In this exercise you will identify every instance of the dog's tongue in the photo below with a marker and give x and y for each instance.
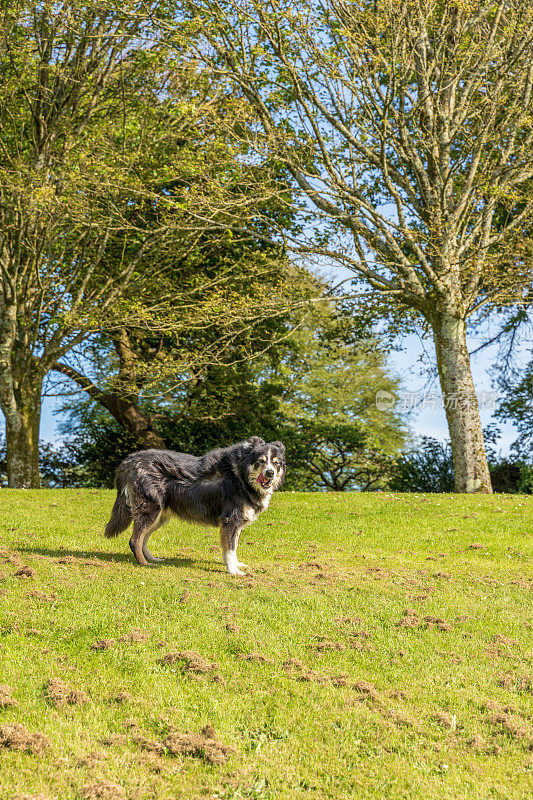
(261, 479)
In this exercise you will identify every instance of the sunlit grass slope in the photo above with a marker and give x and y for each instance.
(381, 646)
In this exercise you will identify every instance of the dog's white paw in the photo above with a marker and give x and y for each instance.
(232, 563)
(241, 565)
(235, 571)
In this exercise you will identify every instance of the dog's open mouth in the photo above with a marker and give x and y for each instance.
(265, 482)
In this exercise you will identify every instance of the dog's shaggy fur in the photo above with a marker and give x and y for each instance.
(228, 487)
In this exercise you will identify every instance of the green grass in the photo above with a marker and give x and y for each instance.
(436, 710)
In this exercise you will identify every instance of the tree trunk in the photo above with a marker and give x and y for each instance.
(124, 410)
(134, 421)
(21, 406)
(460, 402)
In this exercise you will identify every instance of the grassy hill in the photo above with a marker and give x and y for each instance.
(381, 646)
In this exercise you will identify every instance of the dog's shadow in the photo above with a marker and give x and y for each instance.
(188, 563)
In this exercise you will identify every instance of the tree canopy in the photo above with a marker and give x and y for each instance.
(406, 131)
(112, 176)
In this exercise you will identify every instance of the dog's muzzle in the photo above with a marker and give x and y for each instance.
(265, 478)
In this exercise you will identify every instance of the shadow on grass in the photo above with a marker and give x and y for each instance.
(202, 564)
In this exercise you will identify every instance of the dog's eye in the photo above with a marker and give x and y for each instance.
(276, 462)
(262, 459)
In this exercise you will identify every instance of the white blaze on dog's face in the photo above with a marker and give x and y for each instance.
(267, 468)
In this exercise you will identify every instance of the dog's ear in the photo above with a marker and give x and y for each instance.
(253, 441)
(279, 445)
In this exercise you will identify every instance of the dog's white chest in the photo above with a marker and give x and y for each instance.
(249, 514)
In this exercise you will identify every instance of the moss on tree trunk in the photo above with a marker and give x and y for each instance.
(21, 406)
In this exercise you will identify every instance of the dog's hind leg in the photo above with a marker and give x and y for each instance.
(161, 520)
(145, 521)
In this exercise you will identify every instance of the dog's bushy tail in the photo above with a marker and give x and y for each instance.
(121, 515)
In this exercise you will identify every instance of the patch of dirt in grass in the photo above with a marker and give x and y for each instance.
(84, 562)
(349, 621)
(446, 720)
(367, 689)
(477, 546)
(60, 695)
(91, 759)
(524, 583)
(114, 738)
(513, 724)
(26, 572)
(38, 796)
(321, 645)
(257, 658)
(17, 737)
(359, 640)
(455, 658)
(400, 718)
(500, 638)
(514, 683)
(338, 680)
(151, 761)
(319, 578)
(479, 744)
(103, 790)
(150, 745)
(42, 596)
(442, 575)
(398, 694)
(11, 556)
(13, 627)
(378, 573)
(501, 646)
(103, 644)
(299, 671)
(411, 619)
(204, 745)
(6, 701)
(194, 663)
(3, 577)
(249, 582)
(398, 655)
(135, 636)
(430, 621)
(312, 565)
(120, 698)
(231, 627)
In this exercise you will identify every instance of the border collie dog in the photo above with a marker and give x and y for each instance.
(226, 488)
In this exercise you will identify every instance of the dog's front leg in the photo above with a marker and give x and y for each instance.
(229, 539)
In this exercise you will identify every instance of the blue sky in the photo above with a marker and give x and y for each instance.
(409, 364)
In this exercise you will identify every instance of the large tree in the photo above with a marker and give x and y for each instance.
(308, 377)
(111, 169)
(404, 127)
(233, 303)
(337, 436)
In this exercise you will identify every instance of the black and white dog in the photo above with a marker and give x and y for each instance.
(228, 487)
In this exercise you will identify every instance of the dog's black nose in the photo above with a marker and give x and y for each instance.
(269, 473)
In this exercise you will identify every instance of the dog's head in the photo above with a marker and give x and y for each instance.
(265, 464)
